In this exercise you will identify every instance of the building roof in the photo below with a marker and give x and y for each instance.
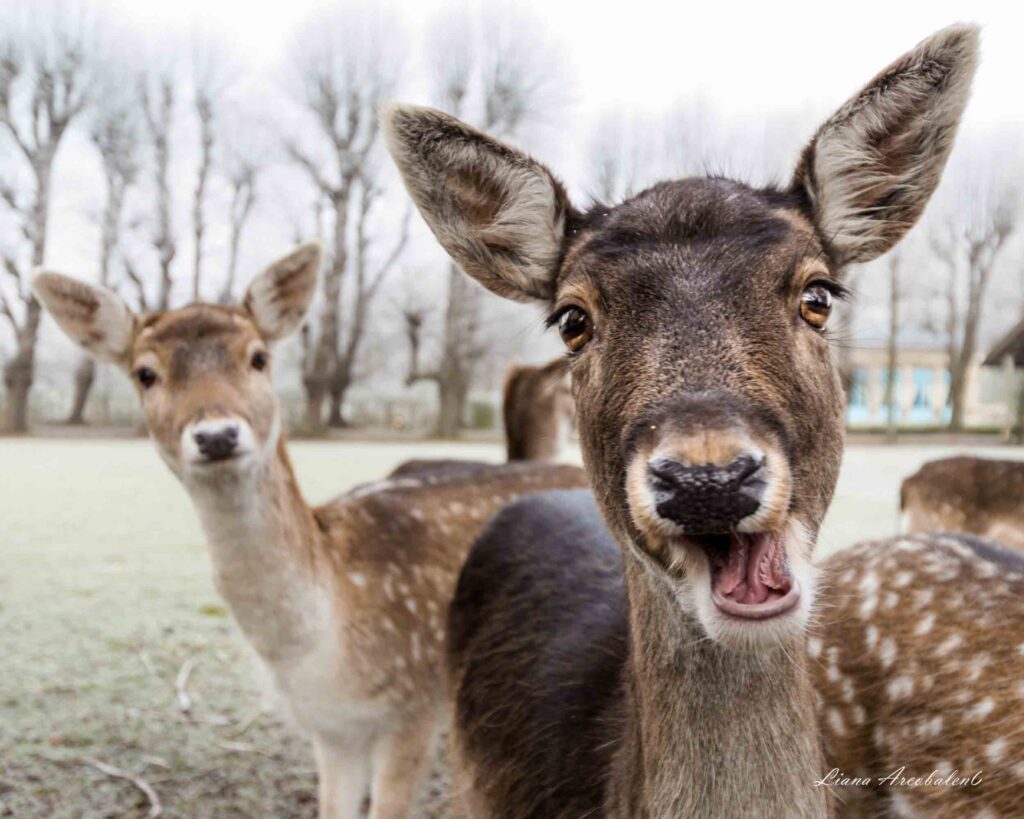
(1010, 344)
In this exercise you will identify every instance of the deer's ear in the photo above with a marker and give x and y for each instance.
(93, 317)
(277, 299)
(499, 214)
(871, 168)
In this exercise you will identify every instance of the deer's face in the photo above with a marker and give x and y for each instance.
(203, 378)
(202, 372)
(708, 405)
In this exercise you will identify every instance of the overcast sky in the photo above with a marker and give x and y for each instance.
(751, 58)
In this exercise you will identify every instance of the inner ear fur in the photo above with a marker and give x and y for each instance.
(500, 214)
(871, 168)
(95, 318)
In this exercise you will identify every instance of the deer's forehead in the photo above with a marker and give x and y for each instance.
(704, 231)
(195, 335)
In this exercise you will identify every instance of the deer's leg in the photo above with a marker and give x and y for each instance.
(343, 770)
(399, 760)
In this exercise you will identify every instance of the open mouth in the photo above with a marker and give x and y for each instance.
(750, 574)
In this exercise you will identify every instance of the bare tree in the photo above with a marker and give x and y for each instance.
(365, 285)
(242, 169)
(347, 66)
(115, 134)
(43, 89)
(515, 77)
(157, 90)
(892, 351)
(209, 82)
(984, 206)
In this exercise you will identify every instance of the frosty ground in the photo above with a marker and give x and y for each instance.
(106, 600)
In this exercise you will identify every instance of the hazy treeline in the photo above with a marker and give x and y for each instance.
(179, 171)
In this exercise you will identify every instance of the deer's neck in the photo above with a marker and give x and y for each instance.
(263, 542)
(710, 731)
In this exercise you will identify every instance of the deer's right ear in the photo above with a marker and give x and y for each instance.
(93, 317)
(277, 299)
(500, 214)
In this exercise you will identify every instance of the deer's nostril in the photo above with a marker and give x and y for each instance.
(217, 446)
(707, 498)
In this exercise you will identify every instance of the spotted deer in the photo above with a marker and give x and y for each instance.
(344, 603)
(981, 496)
(644, 651)
(537, 410)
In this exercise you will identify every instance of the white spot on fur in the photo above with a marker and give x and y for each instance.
(981, 709)
(887, 653)
(900, 688)
(950, 644)
(926, 625)
(995, 750)
(835, 721)
(357, 579)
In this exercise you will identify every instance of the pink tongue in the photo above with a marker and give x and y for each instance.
(755, 570)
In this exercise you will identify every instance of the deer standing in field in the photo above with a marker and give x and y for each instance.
(344, 603)
(663, 669)
(537, 411)
(980, 496)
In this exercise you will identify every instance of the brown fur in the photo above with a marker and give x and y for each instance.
(981, 496)
(537, 410)
(692, 289)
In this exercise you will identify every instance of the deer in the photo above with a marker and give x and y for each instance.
(344, 603)
(537, 410)
(644, 649)
(980, 496)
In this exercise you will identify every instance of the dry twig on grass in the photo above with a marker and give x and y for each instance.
(155, 808)
(181, 686)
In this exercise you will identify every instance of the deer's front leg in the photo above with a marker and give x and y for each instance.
(343, 769)
(399, 760)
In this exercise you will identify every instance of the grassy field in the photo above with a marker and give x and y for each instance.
(105, 593)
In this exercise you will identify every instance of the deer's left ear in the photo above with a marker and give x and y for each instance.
(500, 214)
(95, 318)
(871, 168)
(279, 297)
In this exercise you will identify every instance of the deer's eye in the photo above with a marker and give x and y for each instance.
(575, 328)
(816, 305)
(260, 360)
(146, 377)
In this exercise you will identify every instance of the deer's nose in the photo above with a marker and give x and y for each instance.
(217, 444)
(708, 498)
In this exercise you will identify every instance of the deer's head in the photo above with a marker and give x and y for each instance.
(695, 316)
(202, 372)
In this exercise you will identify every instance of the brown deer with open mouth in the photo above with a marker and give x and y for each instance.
(344, 603)
(666, 672)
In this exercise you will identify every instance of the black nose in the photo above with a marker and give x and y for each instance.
(707, 499)
(217, 445)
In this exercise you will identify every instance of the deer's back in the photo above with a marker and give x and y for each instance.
(982, 496)
(538, 640)
(919, 658)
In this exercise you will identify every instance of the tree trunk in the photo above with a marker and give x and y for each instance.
(85, 377)
(451, 414)
(891, 357)
(18, 382)
(314, 404)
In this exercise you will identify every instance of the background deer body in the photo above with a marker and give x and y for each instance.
(918, 656)
(710, 418)
(537, 410)
(981, 496)
(344, 603)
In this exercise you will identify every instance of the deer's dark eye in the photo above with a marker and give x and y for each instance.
(575, 328)
(816, 305)
(260, 360)
(146, 377)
